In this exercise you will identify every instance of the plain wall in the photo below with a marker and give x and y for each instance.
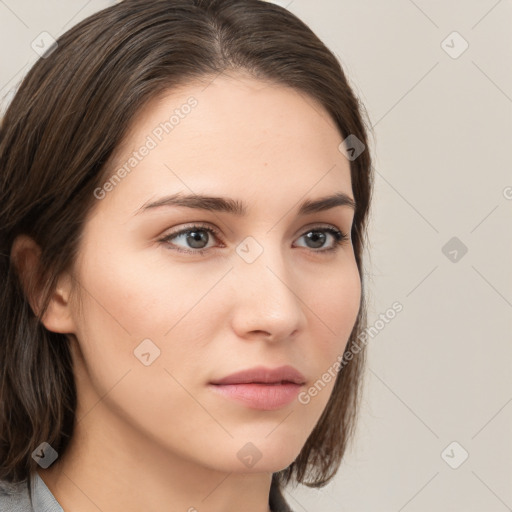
(439, 372)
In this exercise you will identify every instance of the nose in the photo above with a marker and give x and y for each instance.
(266, 298)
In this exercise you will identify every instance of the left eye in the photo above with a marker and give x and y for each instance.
(198, 236)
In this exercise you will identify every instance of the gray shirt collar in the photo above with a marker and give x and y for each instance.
(42, 498)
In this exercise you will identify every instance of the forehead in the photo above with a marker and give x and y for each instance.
(235, 135)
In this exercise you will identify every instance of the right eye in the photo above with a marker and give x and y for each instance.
(194, 234)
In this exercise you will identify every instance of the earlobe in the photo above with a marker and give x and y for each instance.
(25, 255)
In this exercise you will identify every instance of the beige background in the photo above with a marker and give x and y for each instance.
(440, 371)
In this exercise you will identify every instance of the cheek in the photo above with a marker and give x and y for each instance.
(134, 296)
(334, 312)
(336, 306)
(334, 309)
(129, 299)
(130, 310)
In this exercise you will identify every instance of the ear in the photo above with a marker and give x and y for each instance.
(25, 255)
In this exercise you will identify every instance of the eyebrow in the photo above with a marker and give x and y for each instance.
(235, 207)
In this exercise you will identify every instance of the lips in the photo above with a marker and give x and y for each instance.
(263, 375)
(261, 388)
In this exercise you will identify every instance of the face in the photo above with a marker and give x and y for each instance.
(164, 312)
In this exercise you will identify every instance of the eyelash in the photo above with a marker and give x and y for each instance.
(339, 238)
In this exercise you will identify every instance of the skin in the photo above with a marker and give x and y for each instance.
(156, 438)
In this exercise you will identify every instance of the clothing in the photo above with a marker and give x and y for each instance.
(16, 497)
(276, 500)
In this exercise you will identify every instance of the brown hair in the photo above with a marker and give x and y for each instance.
(70, 113)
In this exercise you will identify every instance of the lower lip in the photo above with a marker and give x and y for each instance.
(266, 397)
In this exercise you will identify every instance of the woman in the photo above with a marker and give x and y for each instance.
(185, 186)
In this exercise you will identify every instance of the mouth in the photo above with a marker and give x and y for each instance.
(261, 388)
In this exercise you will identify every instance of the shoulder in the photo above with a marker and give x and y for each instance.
(14, 497)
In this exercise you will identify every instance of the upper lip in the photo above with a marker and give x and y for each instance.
(263, 375)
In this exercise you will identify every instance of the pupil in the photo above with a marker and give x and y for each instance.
(196, 238)
(316, 236)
